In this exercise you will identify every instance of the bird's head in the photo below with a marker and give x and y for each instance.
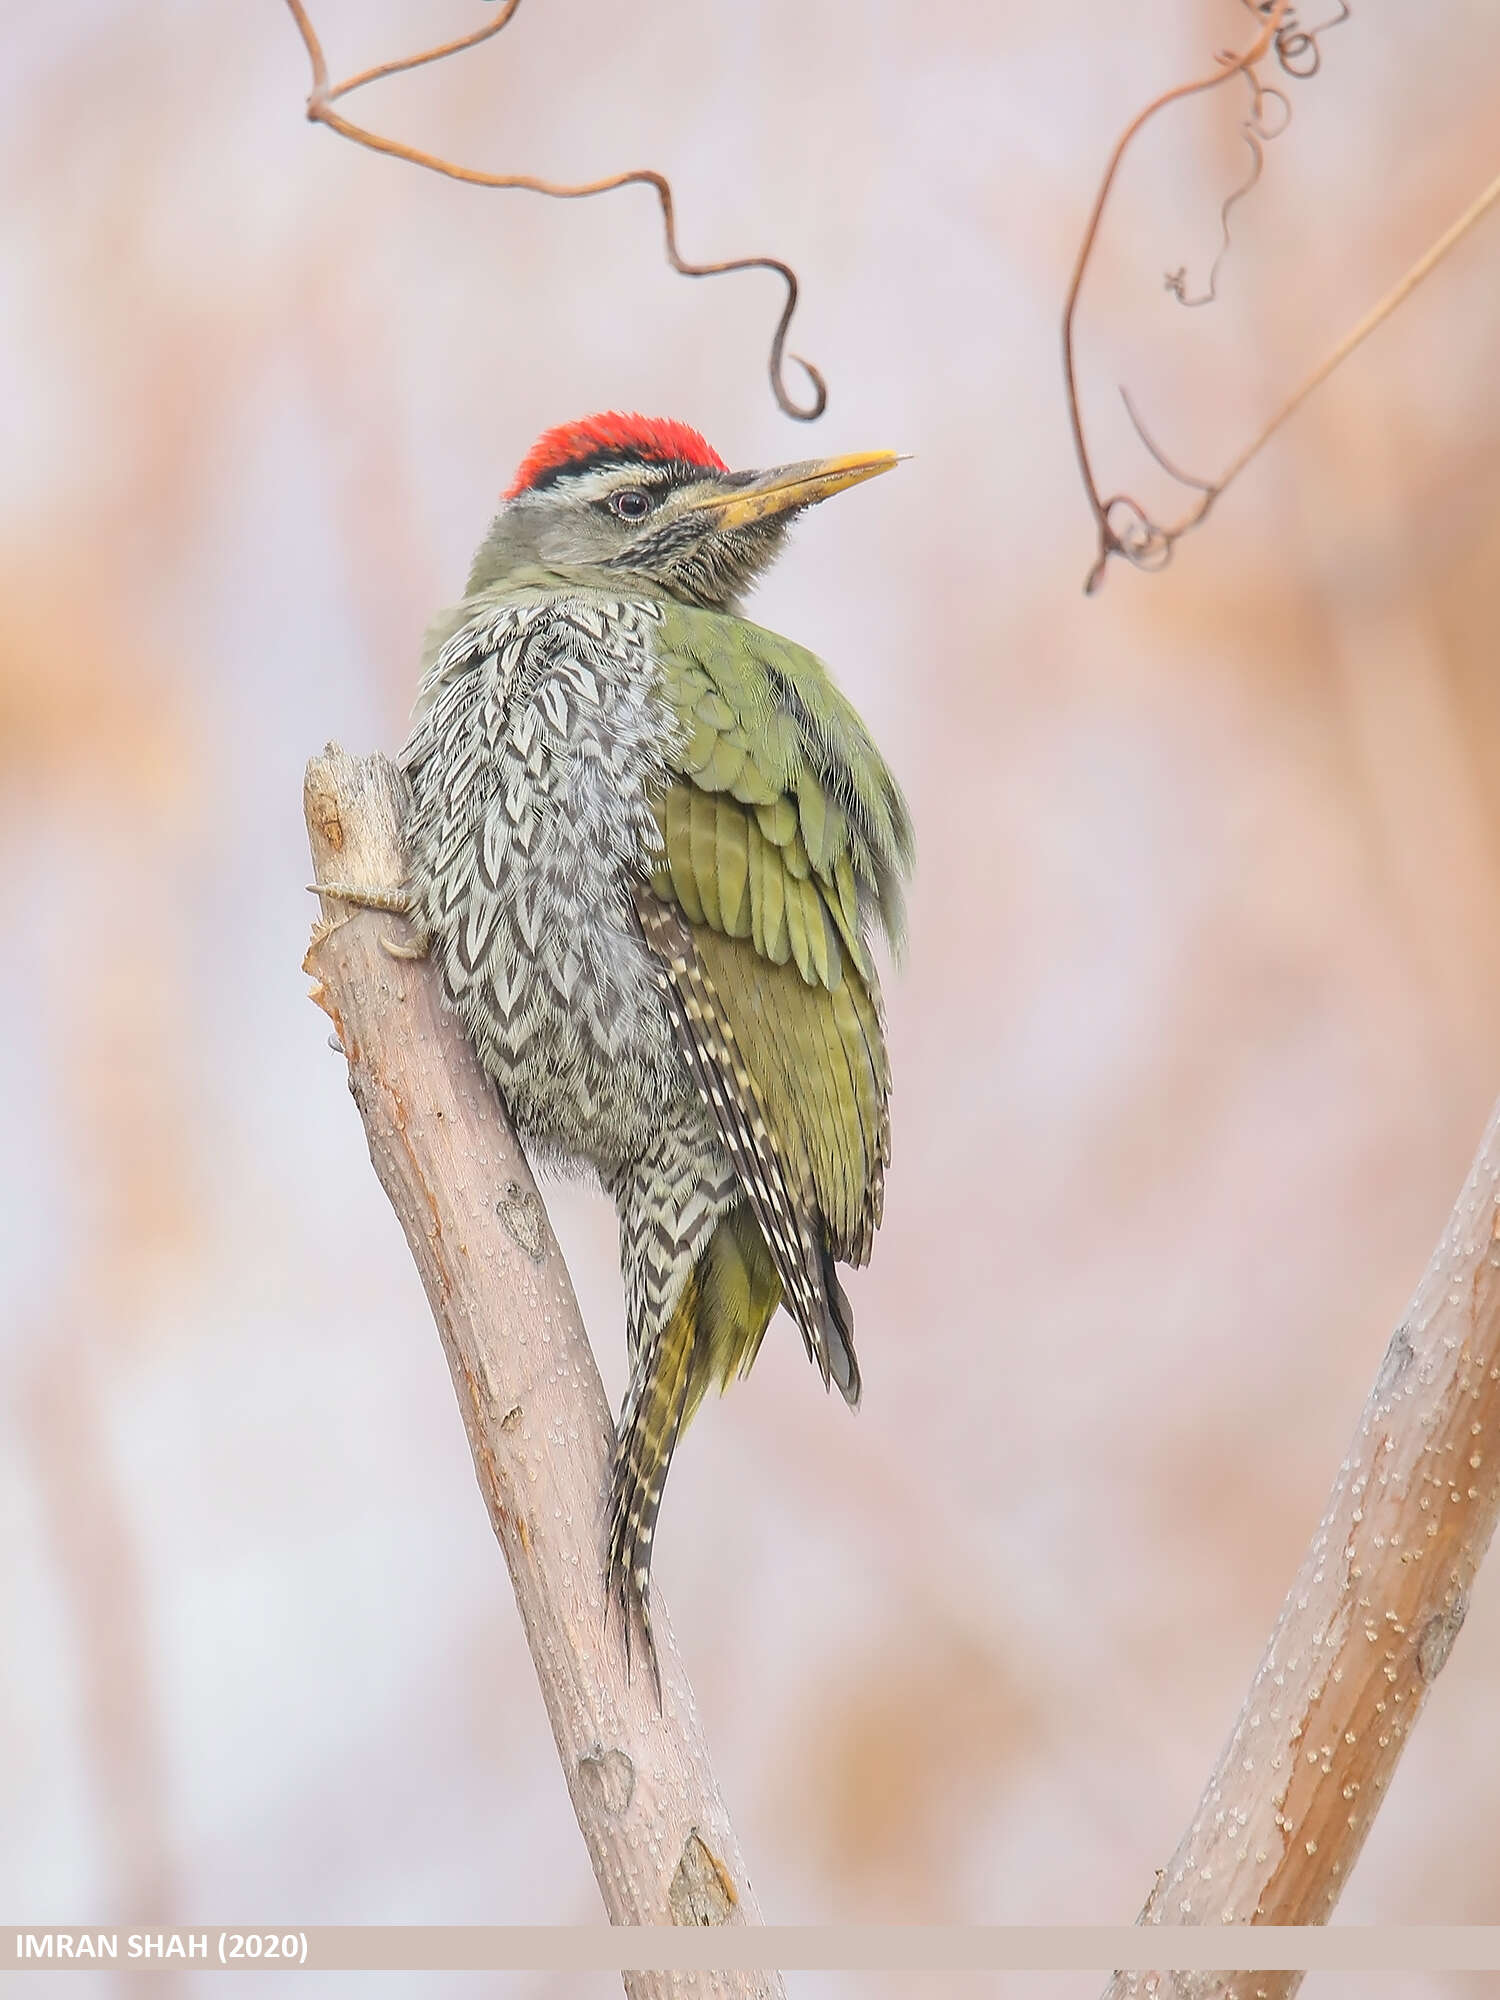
(648, 499)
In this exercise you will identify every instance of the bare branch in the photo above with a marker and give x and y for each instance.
(533, 1406)
(320, 110)
(1367, 1626)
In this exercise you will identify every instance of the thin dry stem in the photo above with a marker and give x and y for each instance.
(1124, 526)
(1112, 541)
(643, 1791)
(1377, 315)
(1145, 542)
(1367, 1626)
(320, 110)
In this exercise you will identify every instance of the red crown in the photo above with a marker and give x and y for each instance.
(611, 434)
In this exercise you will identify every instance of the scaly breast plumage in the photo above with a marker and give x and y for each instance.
(542, 829)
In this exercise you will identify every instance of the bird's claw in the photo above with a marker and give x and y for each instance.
(396, 902)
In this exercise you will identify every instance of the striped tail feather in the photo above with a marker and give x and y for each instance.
(711, 1334)
(647, 1436)
(838, 1334)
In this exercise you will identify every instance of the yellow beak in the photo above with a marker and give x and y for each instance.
(792, 486)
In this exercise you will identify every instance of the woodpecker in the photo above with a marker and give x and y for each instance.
(650, 843)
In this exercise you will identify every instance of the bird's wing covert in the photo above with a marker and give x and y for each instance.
(783, 836)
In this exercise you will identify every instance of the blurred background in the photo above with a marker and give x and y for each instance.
(1195, 1040)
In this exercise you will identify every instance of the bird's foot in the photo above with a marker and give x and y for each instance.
(397, 902)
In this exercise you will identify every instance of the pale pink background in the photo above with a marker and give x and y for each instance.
(1196, 1037)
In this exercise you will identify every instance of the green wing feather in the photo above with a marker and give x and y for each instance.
(784, 839)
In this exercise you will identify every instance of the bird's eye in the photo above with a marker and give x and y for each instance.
(631, 504)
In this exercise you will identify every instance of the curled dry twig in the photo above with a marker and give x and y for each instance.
(1124, 526)
(1257, 136)
(1148, 545)
(1297, 47)
(324, 94)
(1300, 55)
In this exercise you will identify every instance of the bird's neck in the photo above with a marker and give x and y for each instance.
(492, 583)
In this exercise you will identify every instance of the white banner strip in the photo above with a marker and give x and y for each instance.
(808, 1948)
